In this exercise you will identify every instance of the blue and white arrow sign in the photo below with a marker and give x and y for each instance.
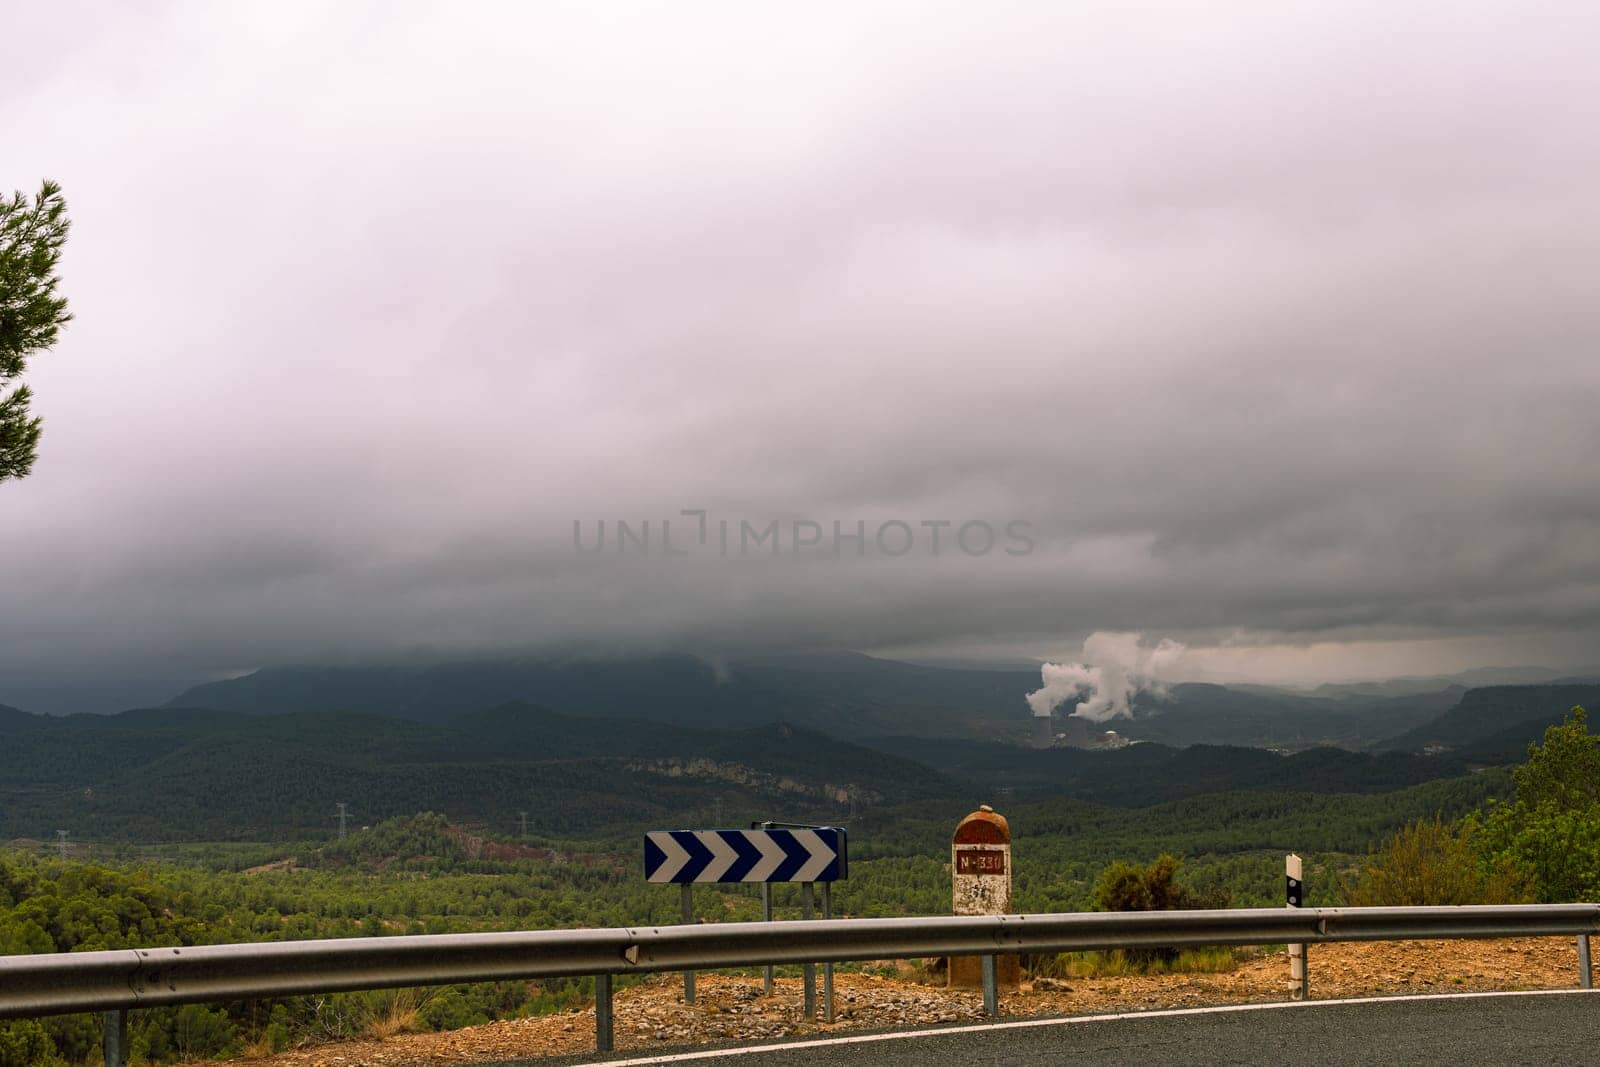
(813, 855)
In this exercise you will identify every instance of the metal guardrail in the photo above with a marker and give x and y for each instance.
(115, 982)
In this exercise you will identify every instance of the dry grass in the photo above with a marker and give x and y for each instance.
(1217, 959)
(260, 1048)
(393, 1012)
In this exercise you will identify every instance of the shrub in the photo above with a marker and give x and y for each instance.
(1432, 862)
(25, 1044)
(203, 1033)
(1128, 887)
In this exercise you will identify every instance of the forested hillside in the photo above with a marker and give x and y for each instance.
(174, 774)
(844, 694)
(423, 874)
(1197, 714)
(1497, 723)
(841, 693)
(1150, 773)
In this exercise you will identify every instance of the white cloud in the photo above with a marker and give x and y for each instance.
(1115, 668)
(1274, 321)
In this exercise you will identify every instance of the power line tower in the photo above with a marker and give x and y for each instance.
(61, 843)
(524, 822)
(344, 813)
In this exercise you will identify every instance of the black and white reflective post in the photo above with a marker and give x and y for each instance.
(766, 853)
(1294, 895)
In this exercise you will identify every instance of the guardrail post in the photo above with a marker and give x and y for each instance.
(810, 969)
(116, 1038)
(991, 987)
(1585, 972)
(602, 1013)
(688, 918)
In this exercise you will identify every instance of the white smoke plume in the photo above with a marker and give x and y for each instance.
(1115, 666)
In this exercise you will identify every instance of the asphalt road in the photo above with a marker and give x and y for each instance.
(1558, 1028)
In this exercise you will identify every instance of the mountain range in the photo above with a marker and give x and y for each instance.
(605, 746)
(844, 694)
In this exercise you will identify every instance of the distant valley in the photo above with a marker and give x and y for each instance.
(850, 695)
(607, 747)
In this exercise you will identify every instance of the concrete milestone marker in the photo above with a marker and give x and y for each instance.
(980, 875)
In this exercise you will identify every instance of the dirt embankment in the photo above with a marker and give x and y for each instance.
(653, 1015)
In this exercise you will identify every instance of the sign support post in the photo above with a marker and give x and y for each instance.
(827, 968)
(766, 917)
(809, 969)
(688, 917)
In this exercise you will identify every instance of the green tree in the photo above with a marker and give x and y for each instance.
(1430, 861)
(25, 1044)
(1563, 771)
(1551, 830)
(31, 314)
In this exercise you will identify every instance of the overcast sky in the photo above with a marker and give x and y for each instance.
(1275, 323)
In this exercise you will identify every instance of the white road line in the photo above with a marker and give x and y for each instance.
(1019, 1024)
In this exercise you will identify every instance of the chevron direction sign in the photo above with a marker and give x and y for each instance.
(684, 856)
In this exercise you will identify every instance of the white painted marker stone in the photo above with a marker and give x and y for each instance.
(980, 877)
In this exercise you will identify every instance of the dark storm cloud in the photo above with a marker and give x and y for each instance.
(1276, 324)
